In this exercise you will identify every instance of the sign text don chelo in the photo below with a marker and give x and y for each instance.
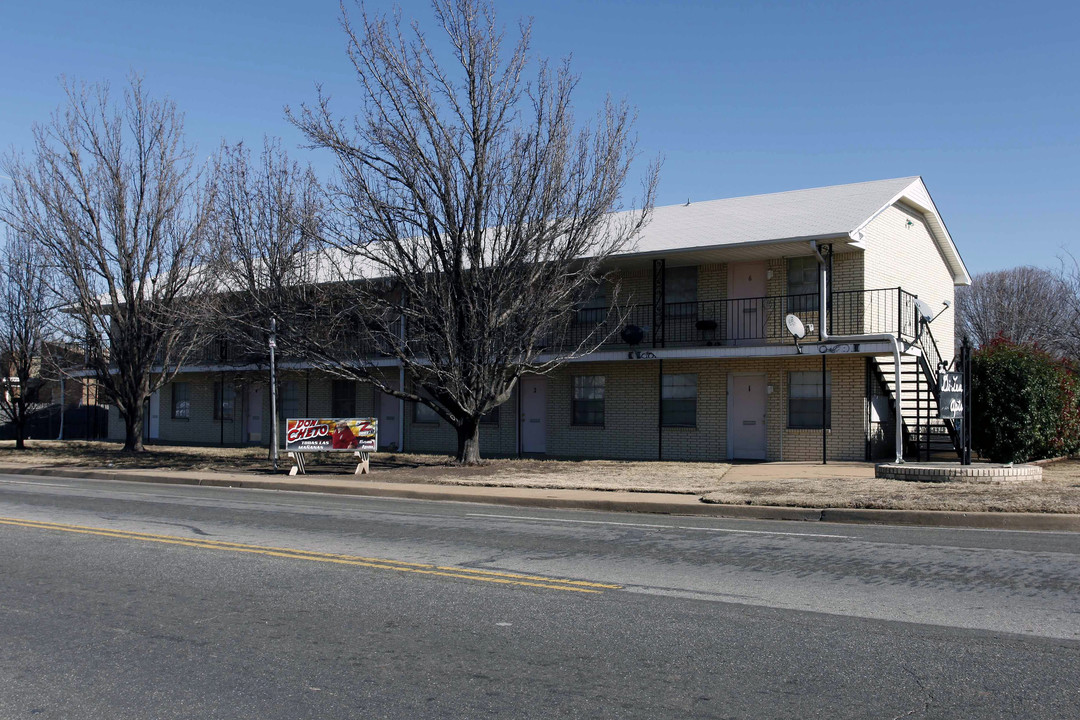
(331, 435)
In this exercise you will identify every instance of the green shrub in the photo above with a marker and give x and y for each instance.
(1025, 404)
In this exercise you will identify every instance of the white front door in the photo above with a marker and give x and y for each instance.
(155, 415)
(254, 413)
(533, 414)
(389, 421)
(746, 305)
(746, 416)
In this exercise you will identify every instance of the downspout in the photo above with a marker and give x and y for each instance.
(883, 337)
(823, 335)
(63, 402)
(401, 387)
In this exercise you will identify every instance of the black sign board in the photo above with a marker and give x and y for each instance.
(951, 399)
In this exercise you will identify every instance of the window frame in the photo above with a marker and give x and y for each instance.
(594, 308)
(664, 410)
(582, 383)
(175, 410)
(284, 398)
(491, 418)
(816, 398)
(797, 296)
(336, 398)
(419, 407)
(686, 278)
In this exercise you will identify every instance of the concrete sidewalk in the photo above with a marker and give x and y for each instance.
(614, 501)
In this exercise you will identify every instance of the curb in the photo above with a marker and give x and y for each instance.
(862, 516)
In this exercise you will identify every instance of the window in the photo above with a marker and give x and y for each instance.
(343, 399)
(223, 406)
(802, 284)
(680, 291)
(491, 417)
(594, 309)
(588, 400)
(181, 405)
(804, 400)
(678, 400)
(424, 414)
(290, 399)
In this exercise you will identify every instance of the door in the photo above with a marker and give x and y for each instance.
(254, 413)
(746, 304)
(389, 421)
(533, 414)
(746, 416)
(153, 429)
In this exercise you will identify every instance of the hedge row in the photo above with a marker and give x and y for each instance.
(1026, 403)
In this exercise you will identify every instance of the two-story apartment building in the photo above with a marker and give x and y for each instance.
(704, 366)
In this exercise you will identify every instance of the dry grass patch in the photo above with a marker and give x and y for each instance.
(673, 477)
(1058, 492)
(670, 477)
(84, 454)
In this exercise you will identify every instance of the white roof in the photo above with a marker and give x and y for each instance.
(817, 213)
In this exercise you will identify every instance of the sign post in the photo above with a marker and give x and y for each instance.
(954, 400)
(356, 435)
(273, 395)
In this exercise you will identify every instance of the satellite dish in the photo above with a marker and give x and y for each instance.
(925, 311)
(795, 326)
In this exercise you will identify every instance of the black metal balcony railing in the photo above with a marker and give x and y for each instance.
(750, 321)
(732, 322)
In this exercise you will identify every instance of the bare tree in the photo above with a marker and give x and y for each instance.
(1024, 304)
(25, 309)
(265, 241)
(478, 204)
(268, 212)
(1068, 275)
(112, 196)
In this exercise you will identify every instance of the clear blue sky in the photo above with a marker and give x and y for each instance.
(982, 99)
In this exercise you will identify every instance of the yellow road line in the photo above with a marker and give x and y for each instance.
(335, 558)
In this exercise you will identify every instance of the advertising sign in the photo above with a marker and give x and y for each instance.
(330, 435)
(951, 389)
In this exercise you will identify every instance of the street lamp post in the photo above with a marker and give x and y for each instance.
(273, 395)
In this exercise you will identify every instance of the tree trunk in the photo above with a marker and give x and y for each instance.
(20, 432)
(468, 442)
(133, 441)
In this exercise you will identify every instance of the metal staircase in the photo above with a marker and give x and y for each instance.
(927, 436)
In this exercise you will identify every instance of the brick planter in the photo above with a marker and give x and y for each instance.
(988, 473)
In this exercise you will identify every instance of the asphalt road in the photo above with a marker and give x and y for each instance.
(123, 600)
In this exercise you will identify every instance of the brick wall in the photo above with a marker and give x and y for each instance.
(496, 440)
(631, 411)
(846, 437)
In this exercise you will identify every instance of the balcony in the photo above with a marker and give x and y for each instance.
(748, 321)
(707, 323)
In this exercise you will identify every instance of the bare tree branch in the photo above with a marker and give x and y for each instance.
(1024, 304)
(26, 305)
(480, 206)
(113, 198)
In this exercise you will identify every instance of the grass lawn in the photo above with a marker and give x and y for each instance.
(676, 477)
(1059, 492)
(847, 485)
